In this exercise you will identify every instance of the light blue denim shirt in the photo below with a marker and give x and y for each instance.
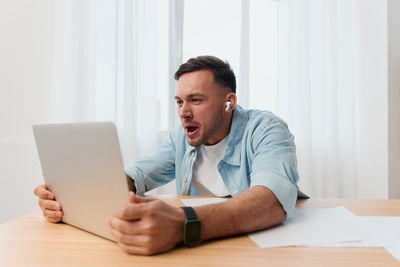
(260, 151)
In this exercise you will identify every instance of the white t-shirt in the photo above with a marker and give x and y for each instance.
(206, 179)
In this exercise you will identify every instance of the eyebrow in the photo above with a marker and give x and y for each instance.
(193, 95)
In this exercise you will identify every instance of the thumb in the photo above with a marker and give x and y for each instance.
(136, 199)
(145, 199)
(133, 198)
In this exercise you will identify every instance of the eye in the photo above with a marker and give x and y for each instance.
(179, 102)
(196, 100)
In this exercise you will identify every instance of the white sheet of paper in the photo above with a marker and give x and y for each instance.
(395, 251)
(311, 227)
(332, 227)
(194, 202)
(380, 231)
(306, 227)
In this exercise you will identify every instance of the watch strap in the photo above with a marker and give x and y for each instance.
(189, 212)
(191, 228)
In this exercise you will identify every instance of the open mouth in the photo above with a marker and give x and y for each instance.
(191, 130)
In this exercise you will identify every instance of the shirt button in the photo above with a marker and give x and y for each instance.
(184, 180)
(193, 154)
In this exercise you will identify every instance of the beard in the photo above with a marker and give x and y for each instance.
(210, 131)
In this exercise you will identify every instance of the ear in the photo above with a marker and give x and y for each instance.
(231, 97)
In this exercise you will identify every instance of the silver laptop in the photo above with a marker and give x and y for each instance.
(82, 166)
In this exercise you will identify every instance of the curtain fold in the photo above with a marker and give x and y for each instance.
(317, 87)
(104, 68)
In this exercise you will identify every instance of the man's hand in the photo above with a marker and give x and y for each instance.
(147, 226)
(51, 209)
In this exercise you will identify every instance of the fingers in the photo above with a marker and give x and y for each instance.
(52, 216)
(134, 244)
(133, 198)
(125, 227)
(146, 199)
(49, 204)
(131, 211)
(136, 199)
(131, 249)
(134, 211)
(147, 228)
(42, 192)
(134, 240)
(51, 209)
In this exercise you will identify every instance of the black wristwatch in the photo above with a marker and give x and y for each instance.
(191, 228)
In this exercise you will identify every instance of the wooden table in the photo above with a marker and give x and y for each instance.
(32, 241)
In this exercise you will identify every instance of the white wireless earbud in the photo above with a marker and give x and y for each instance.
(228, 105)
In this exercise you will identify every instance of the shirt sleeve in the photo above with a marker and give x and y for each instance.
(154, 170)
(275, 165)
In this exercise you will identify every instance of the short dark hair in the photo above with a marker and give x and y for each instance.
(223, 74)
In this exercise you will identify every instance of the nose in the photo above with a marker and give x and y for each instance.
(185, 111)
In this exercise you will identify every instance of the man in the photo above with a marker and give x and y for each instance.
(220, 150)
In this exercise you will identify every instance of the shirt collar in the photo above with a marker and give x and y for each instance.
(233, 146)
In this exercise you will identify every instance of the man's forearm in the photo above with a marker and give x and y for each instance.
(254, 209)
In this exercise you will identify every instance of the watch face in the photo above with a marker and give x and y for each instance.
(192, 230)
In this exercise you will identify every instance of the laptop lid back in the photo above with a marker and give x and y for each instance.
(82, 166)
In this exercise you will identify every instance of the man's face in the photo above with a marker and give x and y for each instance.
(201, 107)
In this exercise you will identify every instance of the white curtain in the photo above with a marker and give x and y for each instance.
(105, 68)
(318, 91)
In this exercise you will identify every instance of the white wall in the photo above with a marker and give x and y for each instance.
(394, 97)
(25, 98)
(372, 155)
(25, 71)
(379, 64)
